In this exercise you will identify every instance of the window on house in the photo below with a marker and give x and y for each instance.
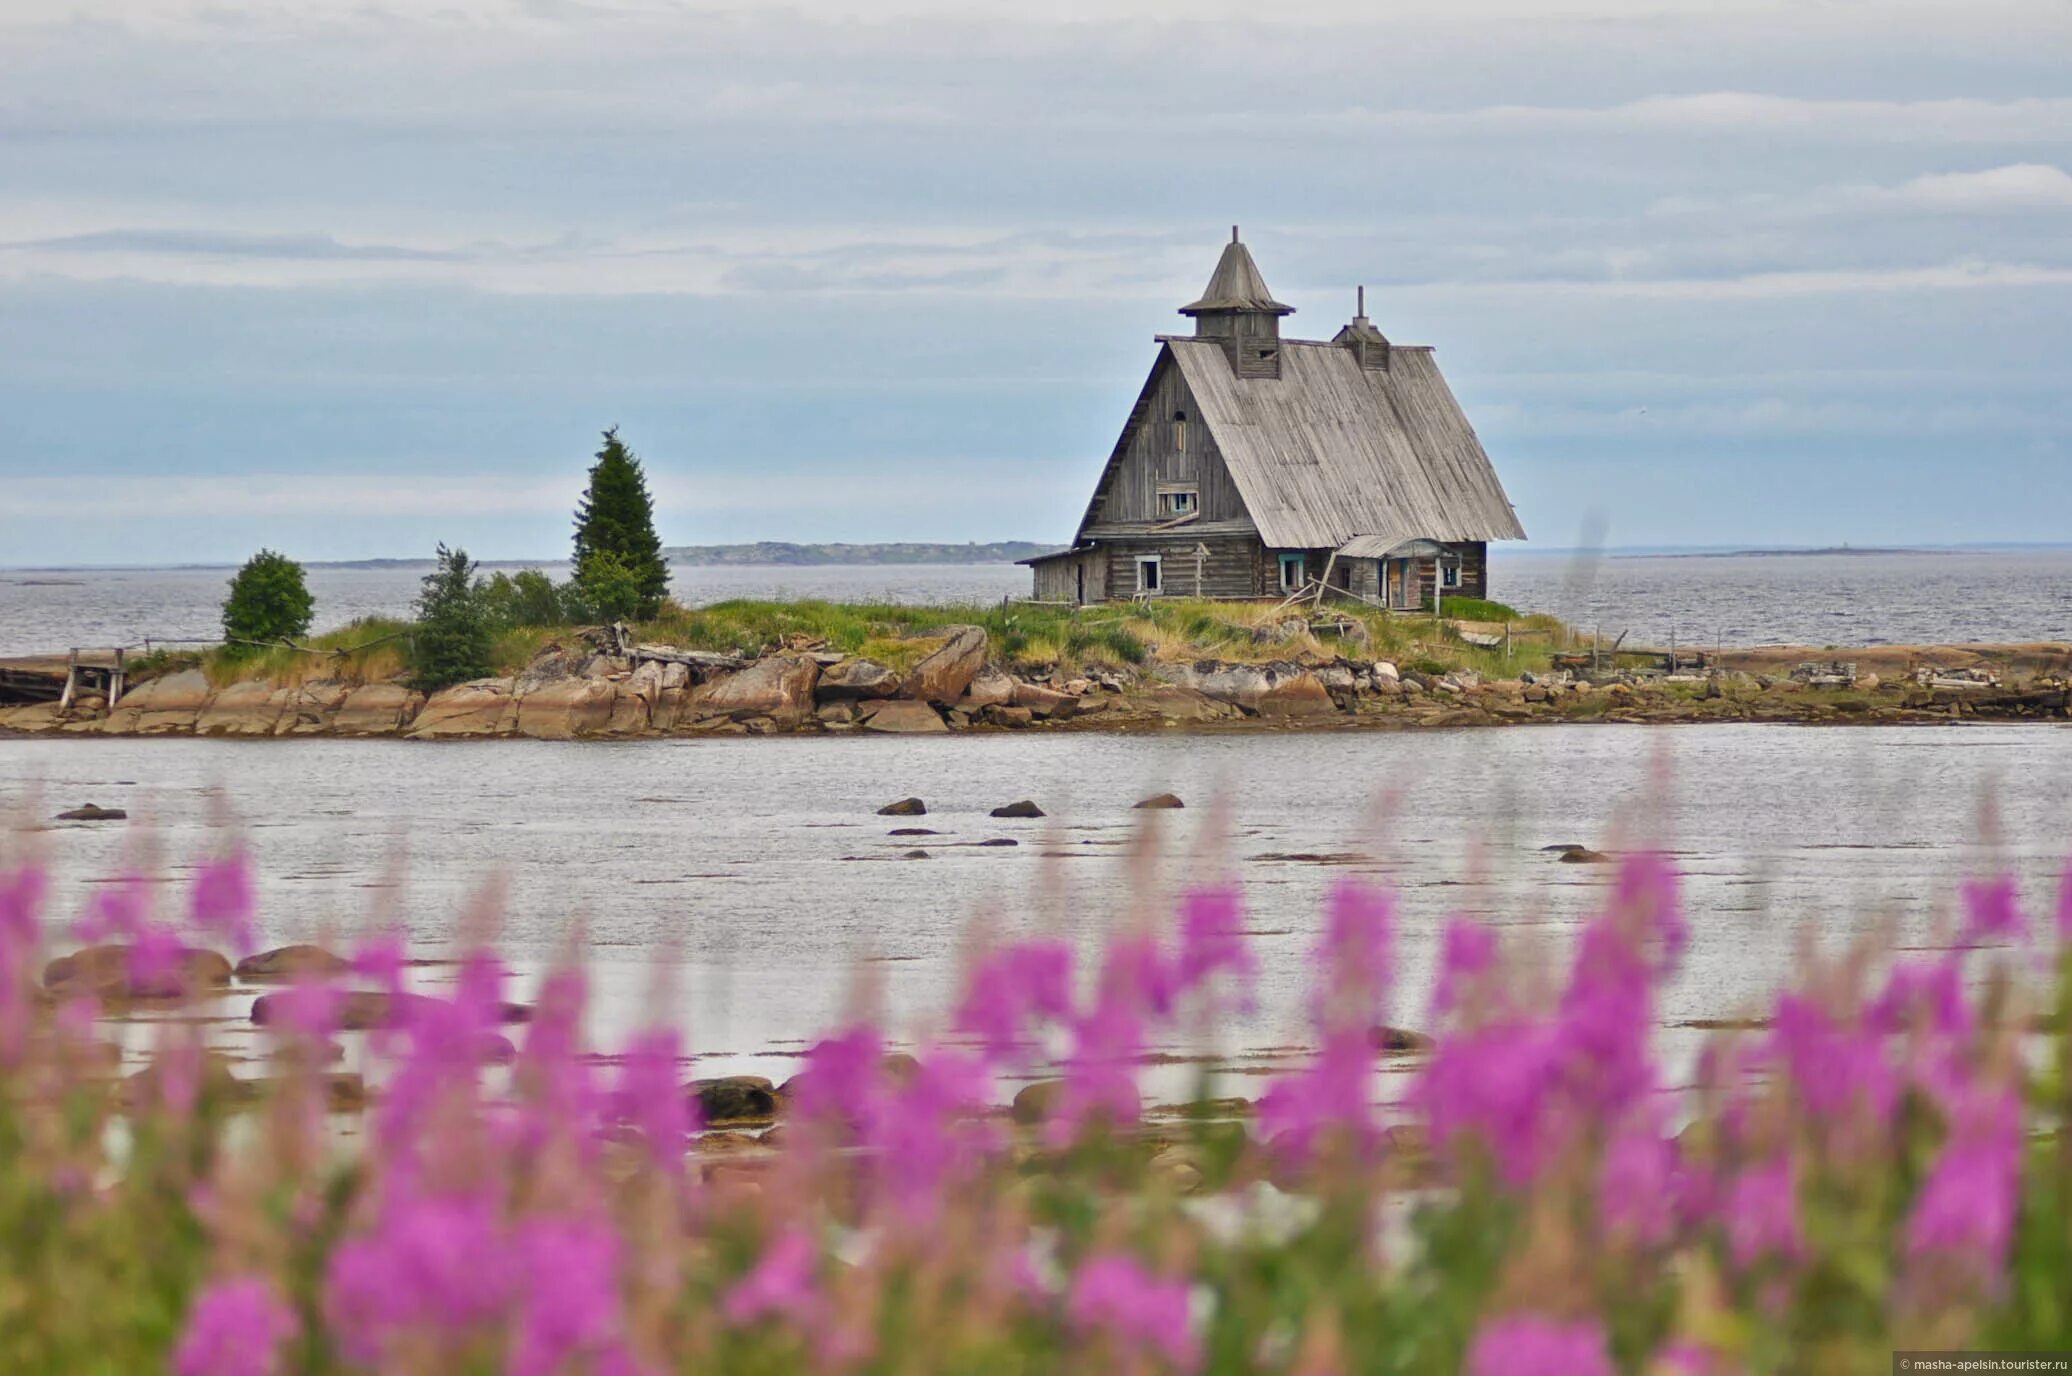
(1180, 431)
(1449, 573)
(1178, 501)
(1292, 572)
(1148, 573)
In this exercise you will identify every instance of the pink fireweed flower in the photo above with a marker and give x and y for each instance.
(1924, 996)
(438, 1265)
(1529, 1345)
(236, 1328)
(116, 912)
(154, 961)
(221, 900)
(1011, 991)
(1329, 1094)
(1354, 955)
(1212, 938)
(784, 1282)
(1490, 1084)
(1992, 911)
(21, 906)
(1838, 1071)
(557, 1084)
(1604, 1020)
(649, 1096)
(1112, 1293)
(2065, 906)
(1100, 1072)
(841, 1081)
(1647, 898)
(1467, 951)
(22, 891)
(1762, 1214)
(926, 1134)
(1966, 1207)
(1637, 1185)
(569, 1308)
(1137, 973)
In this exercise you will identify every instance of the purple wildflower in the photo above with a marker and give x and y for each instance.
(782, 1282)
(1114, 1294)
(926, 1133)
(1330, 1093)
(1212, 938)
(116, 912)
(236, 1328)
(222, 899)
(435, 1264)
(1011, 990)
(840, 1083)
(22, 892)
(1992, 910)
(1354, 956)
(570, 1308)
(1136, 973)
(1839, 1071)
(1924, 995)
(1762, 1213)
(1529, 1345)
(1604, 1020)
(1100, 1075)
(1967, 1205)
(1490, 1084)
(21, 903)
(2065, 906)
(1646, 896)
(649, 1097)
(1467, 950)
(1637, 1185)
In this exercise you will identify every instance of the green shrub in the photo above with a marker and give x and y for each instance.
(269, 600)
(526, 598)
(452, 641)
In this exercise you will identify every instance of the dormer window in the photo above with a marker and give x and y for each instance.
(1178, 501)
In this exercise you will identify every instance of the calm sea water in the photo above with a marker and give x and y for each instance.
(761, 864)
(1864, 599)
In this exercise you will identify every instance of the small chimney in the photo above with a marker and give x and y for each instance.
(1368, 344)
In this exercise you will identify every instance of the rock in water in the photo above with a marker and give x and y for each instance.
(93, 812)
(1024, 808)
(1399, 1039)
(1035, 1102)
(289, 962)
(946, 672)
(105, 971)
(905, 807)
(1580, 856)
(1161, 800)
(734, 1099)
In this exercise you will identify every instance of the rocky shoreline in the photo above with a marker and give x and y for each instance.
(595, 689)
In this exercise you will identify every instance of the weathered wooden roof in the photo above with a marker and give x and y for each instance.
(1236, 285)
(1329, 450)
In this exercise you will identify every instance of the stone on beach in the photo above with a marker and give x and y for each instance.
(563, 709)
(289, 962)
(855, 680)
(1159, 801)
(943, 675)
(780, 687)
(172, 702)
(734, 1099)
(1024, 808)
(905, 807)
(105, 972)
(990, 688)
(1044, 702)
(486, 707)
(901, 716)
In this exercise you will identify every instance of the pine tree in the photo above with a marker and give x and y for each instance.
(617, 518)
(451, 641)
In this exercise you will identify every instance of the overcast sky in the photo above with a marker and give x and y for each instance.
(351, 277)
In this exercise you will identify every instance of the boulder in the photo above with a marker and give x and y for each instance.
(1035, 1102)
(905, 807)
(360, 1010)
(253, 708)
(1399, 1040)
(632, 708)
(37, 716)
(779, 687)
(1044, 702)
(376, 709)
(312, 706)
(92, 812)
(943, 675)
(853, 680)
(486, 707)
(1579, 855)
(1299, 696)
(1015, 717)
(158, 706)
(990, 688)
(291, 962)
(1161, 800)
(1172, 703)
(1250, 685)
(1024, 808)
(104, 972)
(901, 717)
(736, 1100)
(836, 713)
(563, 708)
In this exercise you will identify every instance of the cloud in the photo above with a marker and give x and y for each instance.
(2020, 186)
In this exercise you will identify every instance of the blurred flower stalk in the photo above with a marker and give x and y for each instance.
(1882, 1163)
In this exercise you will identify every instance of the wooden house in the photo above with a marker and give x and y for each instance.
(1253, 466)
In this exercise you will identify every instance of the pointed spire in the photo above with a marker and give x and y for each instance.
(1236, 285)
